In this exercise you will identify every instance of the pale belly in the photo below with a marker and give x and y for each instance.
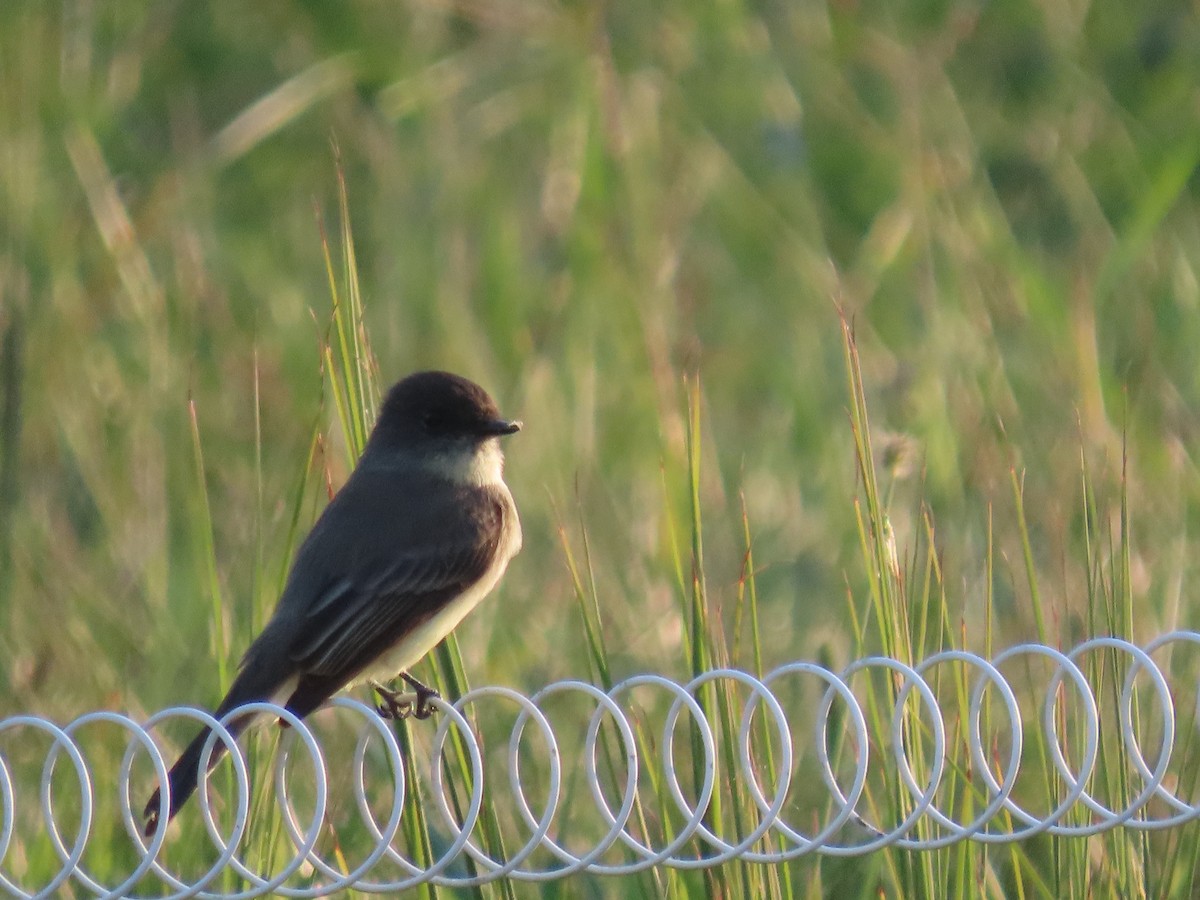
(421, 640)
(414, 645)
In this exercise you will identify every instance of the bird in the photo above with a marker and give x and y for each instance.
(420, 533)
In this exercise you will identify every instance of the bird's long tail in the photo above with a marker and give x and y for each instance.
(255, 682)
(185, 774)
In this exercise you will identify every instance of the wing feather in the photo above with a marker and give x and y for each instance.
(374, 593)
(382, 616)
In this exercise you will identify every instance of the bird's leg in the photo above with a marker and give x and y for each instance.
(390, 705)
(421, 710)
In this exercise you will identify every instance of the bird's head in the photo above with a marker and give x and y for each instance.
(442, 422)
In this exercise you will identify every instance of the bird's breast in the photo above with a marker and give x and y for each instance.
(406, 652)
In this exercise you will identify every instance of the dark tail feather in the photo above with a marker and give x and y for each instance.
(258, 680)
(185, 774)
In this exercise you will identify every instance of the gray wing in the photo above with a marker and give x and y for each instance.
(357, 618)
(387, 554)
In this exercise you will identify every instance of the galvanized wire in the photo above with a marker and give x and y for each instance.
(926, 739)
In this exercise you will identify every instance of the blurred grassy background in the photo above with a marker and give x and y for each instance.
(577, 205)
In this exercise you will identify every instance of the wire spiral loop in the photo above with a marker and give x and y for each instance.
(582, 769)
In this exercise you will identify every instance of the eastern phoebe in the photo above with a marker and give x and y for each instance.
(420, 533)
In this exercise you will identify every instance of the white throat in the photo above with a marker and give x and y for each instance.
(483, 468)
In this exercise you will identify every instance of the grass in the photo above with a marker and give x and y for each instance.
(637, 228)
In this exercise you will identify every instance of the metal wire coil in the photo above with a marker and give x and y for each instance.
(913, 750)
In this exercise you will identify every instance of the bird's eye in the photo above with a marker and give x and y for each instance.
(435, 421)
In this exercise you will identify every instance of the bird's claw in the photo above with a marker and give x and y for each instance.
(395, 705)
(390, 706)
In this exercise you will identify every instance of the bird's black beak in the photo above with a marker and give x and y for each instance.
(499, 427)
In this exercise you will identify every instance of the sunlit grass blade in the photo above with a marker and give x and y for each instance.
(889, 601)
(206, 551)
(583, 582)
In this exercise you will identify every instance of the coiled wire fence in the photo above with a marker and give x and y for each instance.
(575, 779)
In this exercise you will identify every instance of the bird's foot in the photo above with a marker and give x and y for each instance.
(392, 704)
(397, 705)
(422, 709)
